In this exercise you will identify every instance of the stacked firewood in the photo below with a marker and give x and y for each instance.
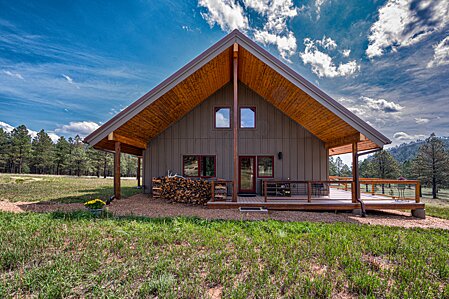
(178, 189)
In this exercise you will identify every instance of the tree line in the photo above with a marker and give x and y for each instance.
(20, 153)
(430, 166)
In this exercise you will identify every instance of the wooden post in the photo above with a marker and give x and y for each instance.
(138, 172)
(235, 122)
(373, 189)
(355, 174)
(309, 191)
(117, 193)
(265, 189)
(212, 191)
(417, 191)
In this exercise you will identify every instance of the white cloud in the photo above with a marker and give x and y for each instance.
(441, 53)
(318, 4)
(402, 136)
(322, 63)
(275, 30)
(70, 80)
(382, 105)
(346, 53)
(82, 128)
(421, 121)
(402, 23)
(6, 127)
(13, 74)
(228, 14)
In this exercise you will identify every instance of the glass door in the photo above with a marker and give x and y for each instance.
(247, 174)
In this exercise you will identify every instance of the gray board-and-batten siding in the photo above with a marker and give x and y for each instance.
(304, 156)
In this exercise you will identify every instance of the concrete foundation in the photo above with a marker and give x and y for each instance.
(419, 213)
(357, 212)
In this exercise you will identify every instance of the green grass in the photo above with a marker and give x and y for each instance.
(65, 189)
(61, 255)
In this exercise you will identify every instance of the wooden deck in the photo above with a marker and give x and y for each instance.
(337, 200)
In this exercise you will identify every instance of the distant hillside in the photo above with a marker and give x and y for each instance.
(407, 151)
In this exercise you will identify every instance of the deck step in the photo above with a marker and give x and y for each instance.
(253, 209)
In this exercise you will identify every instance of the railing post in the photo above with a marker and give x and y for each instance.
(309, 191)
(354, 192)
(265, 189)
(212, 191)
(417, 193)
(346, 186)
(373, 187)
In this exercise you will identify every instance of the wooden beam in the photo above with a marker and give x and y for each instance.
(355, 174)
(344, 140)
(117, 153)
(235, 121)
(127, 140)
(138, 172)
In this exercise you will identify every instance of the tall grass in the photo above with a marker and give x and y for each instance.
(60, 255)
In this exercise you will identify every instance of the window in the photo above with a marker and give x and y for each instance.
(199, 166)
(265, 166)
(248, 117)
(222, 118)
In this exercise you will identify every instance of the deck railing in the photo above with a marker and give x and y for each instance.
(370, 189)
(287, 189)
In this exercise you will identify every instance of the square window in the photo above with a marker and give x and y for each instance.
(265, 167)
(222, 118)
(190, 166)
(247, 117)
(198, 166)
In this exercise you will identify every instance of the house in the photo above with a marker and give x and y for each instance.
(237, 113)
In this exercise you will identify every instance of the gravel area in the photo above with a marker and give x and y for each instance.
(143, 205)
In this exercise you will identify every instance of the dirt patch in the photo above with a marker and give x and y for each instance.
(143, 205)
(215, 293)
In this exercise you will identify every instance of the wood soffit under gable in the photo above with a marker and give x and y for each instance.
(258, 76)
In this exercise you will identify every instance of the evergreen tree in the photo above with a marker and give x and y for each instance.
(62, 150)
(20, 148)
(43, 153)
(431, 164)
(332, 167)
(345, 171)
(338, 166)
(384, 166)
(79, 156)
(4, 150)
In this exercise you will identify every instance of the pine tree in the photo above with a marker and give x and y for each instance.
(338, 166)
(384, 166)
(332, 167)
(42, 153)
(5, 145)
(62, 150)
(431, 164)
(79, 157)
(20, 148)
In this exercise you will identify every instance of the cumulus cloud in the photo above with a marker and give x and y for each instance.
(402, 136)
(13, 74)
(346, 53)
(318, 4)
(441, 53)
(421, 121)
(322, 63)
(402, 23)
(228, 14)
(81, 128)
(382, 105)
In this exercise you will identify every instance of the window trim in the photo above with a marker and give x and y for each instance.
(216, 108)
(198, 157)
(272, 165)
(240, 117)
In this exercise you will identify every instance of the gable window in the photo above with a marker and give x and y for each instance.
(265, 166)
(222, 118)
(198, 166)
(247, 117)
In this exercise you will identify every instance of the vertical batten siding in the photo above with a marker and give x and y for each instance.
(304, 155)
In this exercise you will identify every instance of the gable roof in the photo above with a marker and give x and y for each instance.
(259, 70)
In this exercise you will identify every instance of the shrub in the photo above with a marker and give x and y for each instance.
(95, 204)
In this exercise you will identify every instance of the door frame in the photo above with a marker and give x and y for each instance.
(253, 190)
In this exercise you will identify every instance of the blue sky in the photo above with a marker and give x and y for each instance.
(69, 66)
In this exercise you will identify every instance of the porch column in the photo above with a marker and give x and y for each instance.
(138, 172)
(235, 121)
(355, 174)
(117, 170)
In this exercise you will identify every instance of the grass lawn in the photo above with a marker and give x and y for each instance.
(59, 255)
(65, 189)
